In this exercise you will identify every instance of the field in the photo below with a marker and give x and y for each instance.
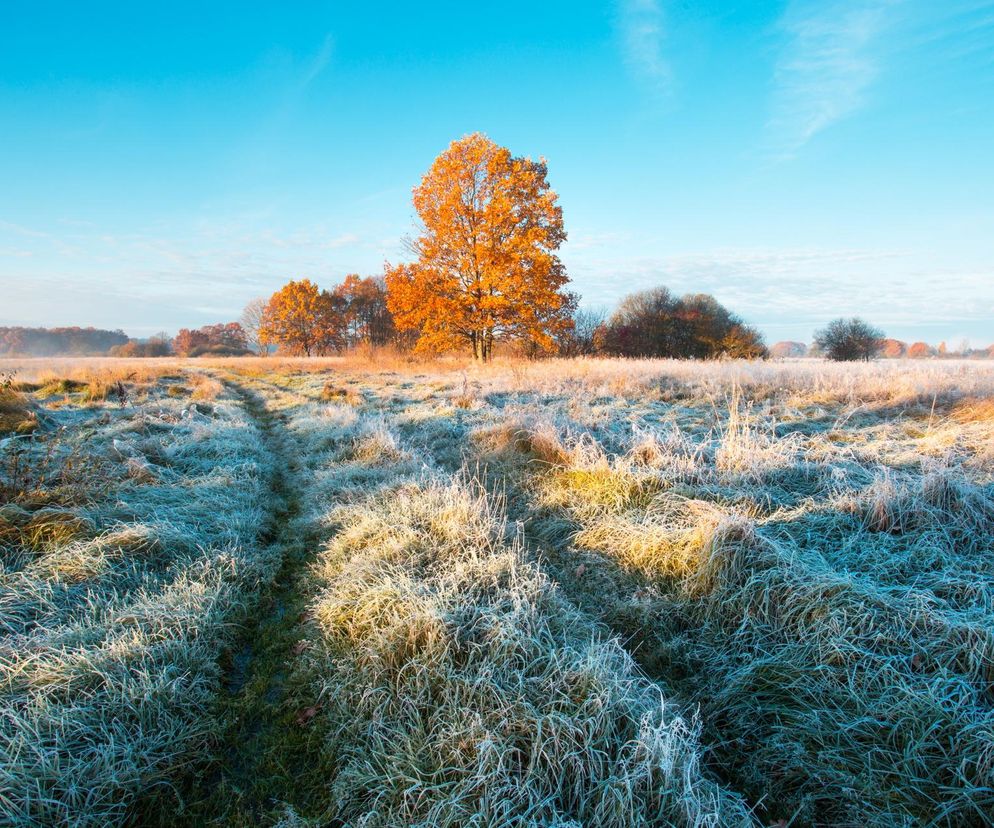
(564, 593)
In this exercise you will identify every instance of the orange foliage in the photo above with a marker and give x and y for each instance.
(486, 265)
(300, 319)
(893, 348)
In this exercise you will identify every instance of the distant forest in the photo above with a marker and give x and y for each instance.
(74, 341)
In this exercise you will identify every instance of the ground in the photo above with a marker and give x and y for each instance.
(591, 592)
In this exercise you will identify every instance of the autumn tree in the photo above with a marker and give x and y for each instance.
(301, 319)
(920, 350)
(365, 316)
(893, 348)
(222, 339)
(655, 323)
(485, 265)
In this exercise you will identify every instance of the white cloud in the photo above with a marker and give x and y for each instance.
(319, 62)
(830, 60)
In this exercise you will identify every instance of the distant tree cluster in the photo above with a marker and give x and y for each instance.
(854, 339)
(222, 339)
(363, 313)
(159, 345)
(788, 349)
(655, 323)
(580, 338)
(302, 319)
(73, 341)
(888, 349)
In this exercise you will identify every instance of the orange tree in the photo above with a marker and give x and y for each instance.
(300, 319)
(364, 310)
(486, 266)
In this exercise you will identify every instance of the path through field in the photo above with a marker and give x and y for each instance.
(270, 757)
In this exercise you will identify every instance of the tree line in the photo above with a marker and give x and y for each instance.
(53, 341)
(483, 274)
(847, 343)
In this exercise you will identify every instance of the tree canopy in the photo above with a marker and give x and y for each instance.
(222, 339)
(301, 319)
(655, 323)
(847, 340)
(22, 341)
(364, 314)
(486, 266)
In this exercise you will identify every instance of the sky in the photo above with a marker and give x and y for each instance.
(163, 163)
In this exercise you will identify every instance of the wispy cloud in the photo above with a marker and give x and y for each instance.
(319, 62)
(828, 64)
(643, 31)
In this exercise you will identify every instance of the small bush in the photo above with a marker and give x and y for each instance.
(849, 340)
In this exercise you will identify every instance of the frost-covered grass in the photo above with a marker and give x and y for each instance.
(581, 592)
(816, 576)
(452, 682)
(127, 543)
(802, 552)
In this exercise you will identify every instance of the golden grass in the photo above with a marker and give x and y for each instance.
(16, 413)
(974, 410)
(205, 388)
(53, 528)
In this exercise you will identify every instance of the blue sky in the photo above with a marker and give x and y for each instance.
(161, 164)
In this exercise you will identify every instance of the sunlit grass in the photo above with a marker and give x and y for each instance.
(559, 593)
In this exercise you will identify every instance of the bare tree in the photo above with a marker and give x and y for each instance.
(580, 339)
(252, 322)
(847, 340)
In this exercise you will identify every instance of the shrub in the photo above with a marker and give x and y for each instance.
(16, 415)
(654, 323)
(848, 340)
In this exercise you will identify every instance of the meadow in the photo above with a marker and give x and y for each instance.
(592, 592)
